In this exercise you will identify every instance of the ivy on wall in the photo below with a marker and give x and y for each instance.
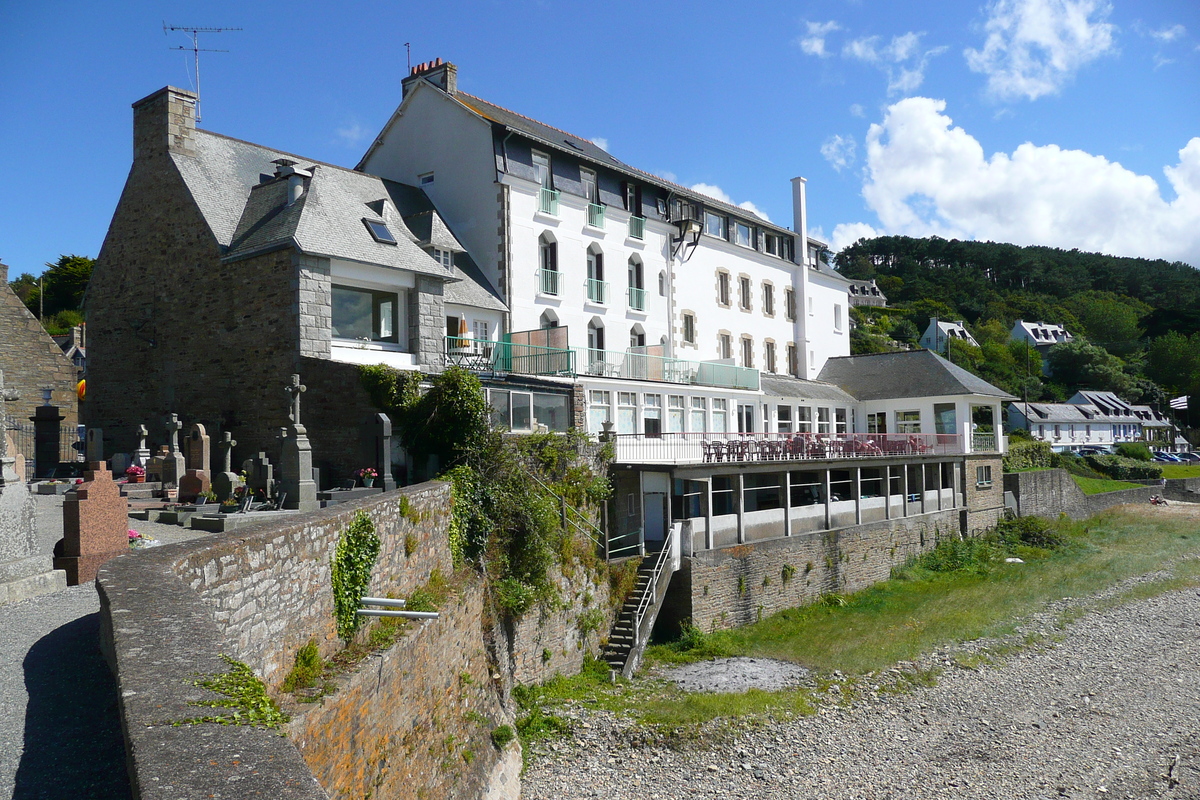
(350, 572)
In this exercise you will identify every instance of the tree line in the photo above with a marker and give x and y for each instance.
(1136, 321)
(59, 296)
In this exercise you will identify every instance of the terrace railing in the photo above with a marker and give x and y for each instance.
(636, 298)
(528, 359)
(741, 448)
(548, 281)
(548, 201)
(637, 227)
(595, 215)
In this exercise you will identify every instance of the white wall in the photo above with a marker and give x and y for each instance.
(827, 337)
(433, 133)
(569, 229)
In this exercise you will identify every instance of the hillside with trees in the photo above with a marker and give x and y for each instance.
(60, 296)
(1136, 321)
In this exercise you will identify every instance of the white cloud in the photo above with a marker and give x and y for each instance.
(813, 42)
(857, 110)
(1170, 34)
(1034, 47)
(352, 134)
(847, 233)
(839, 151)
(600, 142)
(902, 59)
(717, 193)
(926, 177)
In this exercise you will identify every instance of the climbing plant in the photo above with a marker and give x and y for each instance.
(244, 699)
(350, 572)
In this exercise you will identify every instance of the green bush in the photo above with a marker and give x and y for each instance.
(502, 736)
(306, 671)
(1124, 469)
(1138, 451)
(1028, 454)
(350, 572)
(1031, 531)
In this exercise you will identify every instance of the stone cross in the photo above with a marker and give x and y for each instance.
(142, 433)
(173, 428)
(227, 444)
(295, 389)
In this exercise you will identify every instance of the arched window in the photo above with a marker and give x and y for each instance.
(597, 288)
(595, 335)
(662, 284)
(548, 263)
(637, 336)
(548, 320)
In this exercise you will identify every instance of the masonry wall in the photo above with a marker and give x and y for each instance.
(739, 585)
(555, 639)
(1047, 493)
(31, 361)
(172, 329)
(984, 504)
(401, 726)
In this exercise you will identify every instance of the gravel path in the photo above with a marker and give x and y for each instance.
(60, 734)
(1109, 710)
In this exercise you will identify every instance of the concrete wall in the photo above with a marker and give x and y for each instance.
(401, 726)
(739, 585)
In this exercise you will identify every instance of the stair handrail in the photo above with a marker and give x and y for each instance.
(567, 506)
(652, 586)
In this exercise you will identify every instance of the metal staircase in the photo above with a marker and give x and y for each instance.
(631, 632)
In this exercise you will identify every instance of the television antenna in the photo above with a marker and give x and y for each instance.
(196, 50)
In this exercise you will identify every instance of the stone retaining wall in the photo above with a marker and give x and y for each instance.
(739, 585)
(412, 721)
(1049, 492)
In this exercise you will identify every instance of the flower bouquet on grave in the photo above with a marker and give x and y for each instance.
(367, 475)
(135, 474)
(140, 541)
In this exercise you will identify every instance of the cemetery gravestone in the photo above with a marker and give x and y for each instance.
(224, 481)
(195, 481)
(95, 526)
(142, 454)
(296, 466)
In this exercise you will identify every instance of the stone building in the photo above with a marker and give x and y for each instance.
(229, 266)
(32, 361)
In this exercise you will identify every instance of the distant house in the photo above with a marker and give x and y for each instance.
(866, 293)
(1042, 336)
(939, 333)
(74, 347)
(1091, 419)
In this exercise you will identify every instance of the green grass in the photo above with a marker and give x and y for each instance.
(920, 610)
(1102, 485)
(1180, 470)
(963, 591)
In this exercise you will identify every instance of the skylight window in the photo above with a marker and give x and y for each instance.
(379, 230)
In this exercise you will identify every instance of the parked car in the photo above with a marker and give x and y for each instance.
(1189, 457)
(1165, 458)
(1092, 451)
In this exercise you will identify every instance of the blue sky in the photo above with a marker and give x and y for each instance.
(1073, 123)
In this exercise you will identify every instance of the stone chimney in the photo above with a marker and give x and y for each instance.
(286, 168)
(164, 122)
(441, 74)
(3, 272)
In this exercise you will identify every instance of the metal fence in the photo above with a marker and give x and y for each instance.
(24, 439)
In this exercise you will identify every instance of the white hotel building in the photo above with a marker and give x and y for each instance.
(664, 310)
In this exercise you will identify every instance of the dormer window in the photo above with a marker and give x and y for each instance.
(443, 257)
(379, 231)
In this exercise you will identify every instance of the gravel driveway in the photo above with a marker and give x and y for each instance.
(60, 733)
(1112, 710)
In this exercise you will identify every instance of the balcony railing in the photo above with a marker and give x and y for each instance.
(548, 201)
(548, 281)
(983, 442)
(637, 227)
(528, 359)
(597, 291)
(741, 448)
(595, 213)
(637, 298)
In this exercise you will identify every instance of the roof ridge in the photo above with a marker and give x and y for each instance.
(314, 162)
(624, 164)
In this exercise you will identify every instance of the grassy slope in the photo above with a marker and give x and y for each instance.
(1181, 470)
(1101, 485)
(901, 618)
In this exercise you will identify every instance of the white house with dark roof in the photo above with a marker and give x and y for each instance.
(1088, 419)
(1042, 336)
(941, 332)
(628, 263)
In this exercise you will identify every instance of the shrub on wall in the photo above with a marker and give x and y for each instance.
(1138, 451)
(1124, 469)
(1027, 454)
(350, 572)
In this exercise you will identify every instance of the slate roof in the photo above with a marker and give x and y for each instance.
(912, 373)
(248, 215)
(1069, 413)
(575, 145)
(785, 386)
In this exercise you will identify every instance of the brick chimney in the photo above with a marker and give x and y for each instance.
(164, 122)
(441, 74)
